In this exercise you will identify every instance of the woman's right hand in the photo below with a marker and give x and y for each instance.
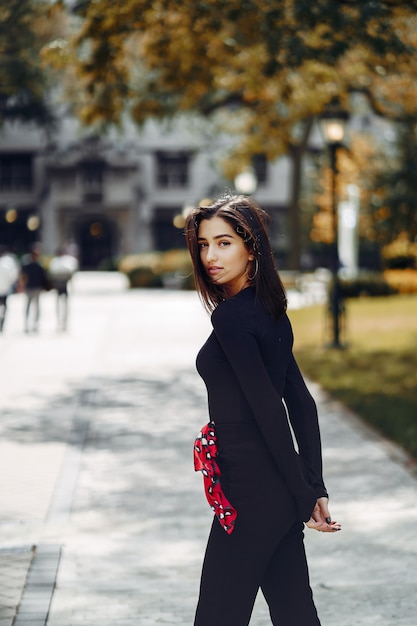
(321, 519)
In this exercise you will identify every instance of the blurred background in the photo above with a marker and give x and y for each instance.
(117, 117)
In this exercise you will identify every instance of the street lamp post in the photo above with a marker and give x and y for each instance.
(332, 125)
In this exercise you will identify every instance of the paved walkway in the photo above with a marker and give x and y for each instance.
(103, 521)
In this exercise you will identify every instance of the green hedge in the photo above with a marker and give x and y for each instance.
(366, 284)
(151, 270)
(387, 283)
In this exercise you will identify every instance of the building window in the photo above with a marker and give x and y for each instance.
(92, 178)
(16, 172)
(260, 165)
(165, 235)
(172, 169)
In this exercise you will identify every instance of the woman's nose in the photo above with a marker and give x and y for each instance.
(211, 253)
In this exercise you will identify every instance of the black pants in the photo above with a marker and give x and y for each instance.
(3, 310)
(265, 549)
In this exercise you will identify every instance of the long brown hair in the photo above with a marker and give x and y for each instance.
(249, 221)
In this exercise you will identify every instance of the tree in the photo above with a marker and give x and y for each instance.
(384, 171)
(261, 69)
(358, 165)
(394, 201)
(25, 27)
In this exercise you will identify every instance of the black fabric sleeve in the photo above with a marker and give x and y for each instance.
(302, 412)
(238, 341)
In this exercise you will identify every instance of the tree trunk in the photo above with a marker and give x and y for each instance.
(296, 153)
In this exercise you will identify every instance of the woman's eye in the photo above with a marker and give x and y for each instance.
(224, 243)
(202, 245)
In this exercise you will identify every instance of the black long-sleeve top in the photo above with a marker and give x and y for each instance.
(250, 372)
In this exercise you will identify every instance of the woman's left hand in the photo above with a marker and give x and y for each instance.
(320, 518)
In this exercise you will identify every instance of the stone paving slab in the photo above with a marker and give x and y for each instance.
(39, 587)
(118, 497)
(14, 567)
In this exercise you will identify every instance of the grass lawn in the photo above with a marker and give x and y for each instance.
(376, 374)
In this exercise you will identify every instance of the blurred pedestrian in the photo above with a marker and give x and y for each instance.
(60, 271)
(9, 274)
(33, 280)
(259, 487)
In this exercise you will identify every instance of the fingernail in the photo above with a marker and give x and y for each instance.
(328, 520)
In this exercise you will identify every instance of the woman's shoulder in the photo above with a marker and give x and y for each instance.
(244, 309)
(245, 314)
(240, 307)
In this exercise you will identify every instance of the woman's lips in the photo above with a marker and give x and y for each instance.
(213, 270)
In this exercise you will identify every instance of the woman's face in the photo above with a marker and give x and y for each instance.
(223, 254)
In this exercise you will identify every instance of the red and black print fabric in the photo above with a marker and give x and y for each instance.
(205, 453)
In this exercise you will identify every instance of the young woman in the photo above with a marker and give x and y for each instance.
(268, 488)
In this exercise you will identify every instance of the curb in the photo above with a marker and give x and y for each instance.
(34, 606)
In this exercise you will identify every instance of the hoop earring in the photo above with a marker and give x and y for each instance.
(256, 270)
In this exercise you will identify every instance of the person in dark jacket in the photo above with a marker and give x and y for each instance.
(34, 280)
(257, 398)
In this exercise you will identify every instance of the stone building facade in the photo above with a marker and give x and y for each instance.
(120, 194)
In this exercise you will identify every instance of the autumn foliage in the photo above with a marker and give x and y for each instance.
(258, 66)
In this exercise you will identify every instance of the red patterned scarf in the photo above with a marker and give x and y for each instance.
(205, 453)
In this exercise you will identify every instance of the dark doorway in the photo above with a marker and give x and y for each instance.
(19, 229)
(165, 235)
(96, 242)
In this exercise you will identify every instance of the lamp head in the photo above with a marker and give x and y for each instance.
(332, 123)
(246, 182)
